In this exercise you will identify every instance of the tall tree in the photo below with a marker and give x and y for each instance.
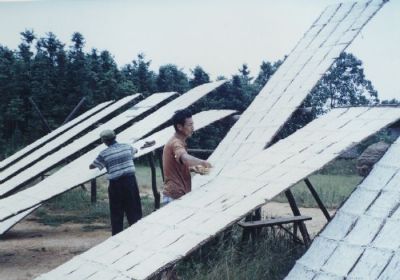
(267, 69)
(170, 78)
(77, 72)
(199, 77)
(46, 78)
(28, 36)
(140, 75)
(111, 82)
(344, 84)
(23, 88)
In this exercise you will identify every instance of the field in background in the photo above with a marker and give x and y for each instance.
(334, 183)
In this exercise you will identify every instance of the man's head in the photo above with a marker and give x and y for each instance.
(107, 136)
(183, 123)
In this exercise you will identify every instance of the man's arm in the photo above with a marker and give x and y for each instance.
(97, 163)
(190, 161)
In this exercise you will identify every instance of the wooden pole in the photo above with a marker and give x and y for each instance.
(159, 155)
(296, 212)
(73, 113)
(93, 191)
(254, 216)
(46, 125)
(156, 194)
(317, 199)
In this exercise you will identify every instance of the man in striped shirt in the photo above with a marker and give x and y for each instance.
(123, 192)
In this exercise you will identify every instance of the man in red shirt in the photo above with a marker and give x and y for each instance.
(177, 162)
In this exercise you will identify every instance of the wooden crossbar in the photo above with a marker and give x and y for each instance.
(274, 221)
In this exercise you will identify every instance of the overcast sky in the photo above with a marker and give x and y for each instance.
(219, 35)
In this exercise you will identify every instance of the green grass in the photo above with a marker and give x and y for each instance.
(75, 207)
(334, 183)
(332, 189)
(270, 256)
(143, 176)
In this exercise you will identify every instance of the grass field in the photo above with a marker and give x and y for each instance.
(332, 189)
(334, 183)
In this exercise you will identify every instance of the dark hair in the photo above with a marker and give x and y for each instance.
(180, 116)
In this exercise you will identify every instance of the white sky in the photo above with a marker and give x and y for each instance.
(219, 35)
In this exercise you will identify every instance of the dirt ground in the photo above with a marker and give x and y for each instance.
(274, 209)
(30, 249)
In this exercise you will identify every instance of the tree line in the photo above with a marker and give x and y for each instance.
(57, 77)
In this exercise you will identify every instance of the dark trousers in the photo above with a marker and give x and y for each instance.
(123, 194)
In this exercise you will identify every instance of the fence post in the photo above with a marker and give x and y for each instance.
(156, 194)
(93, 191)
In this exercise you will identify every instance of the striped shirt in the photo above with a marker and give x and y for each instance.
(117, 159)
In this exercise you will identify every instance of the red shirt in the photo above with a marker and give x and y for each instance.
(177, 180)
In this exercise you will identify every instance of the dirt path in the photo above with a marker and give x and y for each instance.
(30, 249)
(273, 209)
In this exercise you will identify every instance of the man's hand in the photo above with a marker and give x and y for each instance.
(206, 164)
(203, 168)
